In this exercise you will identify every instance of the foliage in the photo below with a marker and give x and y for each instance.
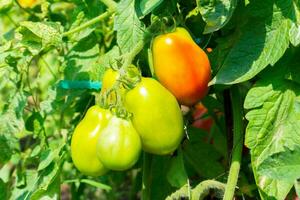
(255, 47)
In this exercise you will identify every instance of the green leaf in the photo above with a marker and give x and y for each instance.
(295, 29)
(5, 172)
(81, 62)
(3, 190)
(158, 186)
(274, 126)
(110, 59)
(297, 188)
(6, 149)
(263, 41)
(5, 5)
(34, 122)
(37, 184)
(47, 104)
(46, 158)
(96, 184)
(40, 35)
(177, 175)
(11, 120)
(80, 19)
(47, 176)
(25, 192)
(295, 34)
(52, 193)
(283, 166)
(91, 182)
(200, 155)
(216, 13)
(145, 6)
(130, 30)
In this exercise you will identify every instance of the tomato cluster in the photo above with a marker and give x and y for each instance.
(104, 141)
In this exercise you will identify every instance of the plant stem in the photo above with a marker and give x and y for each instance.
(204, 188)
(236, 103)
(12, 21)
(297, 187)
(88, 23)
(110, 4)
(130, 56)
(146, 179)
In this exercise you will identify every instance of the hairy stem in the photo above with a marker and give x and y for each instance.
(236, 103)
(204, 188)
(88, 23)
(131, 55)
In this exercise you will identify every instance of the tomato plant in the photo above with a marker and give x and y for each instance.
(160, 99)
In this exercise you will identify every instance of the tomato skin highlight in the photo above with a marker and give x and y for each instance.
(181, 66)
(84, 141)
(119, 145)
(156, 116)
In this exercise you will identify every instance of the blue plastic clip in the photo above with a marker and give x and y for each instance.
(65, 84)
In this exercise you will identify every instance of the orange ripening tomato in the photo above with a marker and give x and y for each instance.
(181, 66)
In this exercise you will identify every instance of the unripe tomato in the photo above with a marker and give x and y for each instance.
(27, 3)
(156, 116)
(109, 78)
(84, 141)
(108, 81)
(119, 145)
(181, 66)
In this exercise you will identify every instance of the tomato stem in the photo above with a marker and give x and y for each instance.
(130, 56)
(204, 188)
(236, 103)
(146, 179)
(88, 23)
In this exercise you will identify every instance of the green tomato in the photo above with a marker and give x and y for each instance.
(156, 116)
(84, 141)
(119, 145)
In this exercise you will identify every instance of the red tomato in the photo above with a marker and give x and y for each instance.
(200, 122)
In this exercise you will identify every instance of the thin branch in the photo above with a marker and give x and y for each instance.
(238, 134)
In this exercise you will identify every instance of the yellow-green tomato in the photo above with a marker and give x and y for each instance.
(119, 145)
(109, 78)
(156, 116)
(84, 141)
